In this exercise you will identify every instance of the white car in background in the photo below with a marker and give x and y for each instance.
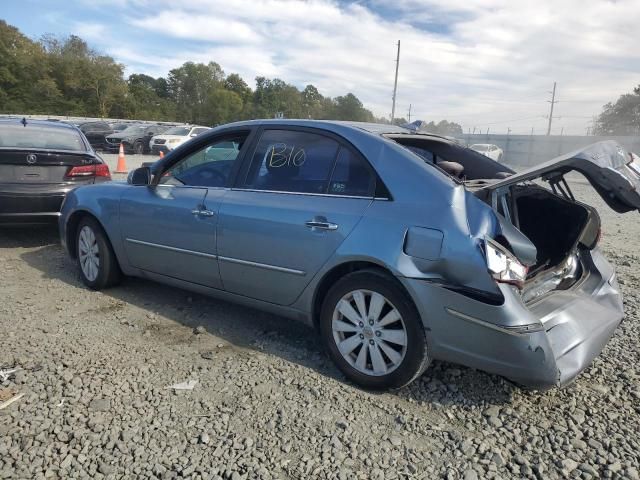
(174, 137)
(488, 150)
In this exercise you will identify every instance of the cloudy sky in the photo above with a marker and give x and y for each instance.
(486, 64)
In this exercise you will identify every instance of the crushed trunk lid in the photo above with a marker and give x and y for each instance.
(609, 168)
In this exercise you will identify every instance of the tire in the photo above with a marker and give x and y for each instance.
(138, 148)
(375, 332)
(99, 268)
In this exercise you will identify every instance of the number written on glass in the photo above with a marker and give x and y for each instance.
(281, 155)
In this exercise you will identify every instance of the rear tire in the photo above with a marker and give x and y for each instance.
(98, 264)
(386, 347)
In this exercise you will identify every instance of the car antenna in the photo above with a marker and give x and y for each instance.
(24, 121)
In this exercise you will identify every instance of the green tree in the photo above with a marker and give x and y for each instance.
(25, 83)
(276, 96)
(621, 117)
(349, 107)
(222, 106)
(189, 87)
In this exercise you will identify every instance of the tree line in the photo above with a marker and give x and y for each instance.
(621, 117)
(66, 77)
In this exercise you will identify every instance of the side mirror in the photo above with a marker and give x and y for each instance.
(140, 176)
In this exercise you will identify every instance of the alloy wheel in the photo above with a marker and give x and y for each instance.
(88, 253)
(369, 332)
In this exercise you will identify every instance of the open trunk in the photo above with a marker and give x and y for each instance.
(560, 228)
(547, 229)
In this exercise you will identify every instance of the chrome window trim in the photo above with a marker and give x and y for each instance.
(166, 185)
(262, 265)
(172, 249)
(283, 192)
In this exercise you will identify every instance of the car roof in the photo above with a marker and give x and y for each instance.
(381, 129)
(40, 123)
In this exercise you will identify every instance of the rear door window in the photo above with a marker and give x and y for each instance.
(292, 161)
(352, 175)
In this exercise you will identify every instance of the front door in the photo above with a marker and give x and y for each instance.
(302, 195)
(169, 228)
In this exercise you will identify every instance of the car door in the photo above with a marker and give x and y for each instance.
(169, 227)
(297, 198)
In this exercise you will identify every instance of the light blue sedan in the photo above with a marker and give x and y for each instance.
(399, 247)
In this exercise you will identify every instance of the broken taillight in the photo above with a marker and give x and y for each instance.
(503, 265)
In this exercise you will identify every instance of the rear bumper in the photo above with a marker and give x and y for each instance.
(25, 209)
(540, 345)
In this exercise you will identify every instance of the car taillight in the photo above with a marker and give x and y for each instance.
(96, 170)
(102, 170)
(503, 266)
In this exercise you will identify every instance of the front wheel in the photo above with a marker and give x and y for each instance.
(373, 332)
(98, 265)
(138, 148)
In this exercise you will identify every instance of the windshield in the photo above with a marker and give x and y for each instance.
(36, 136)
(132, 130)
(182, 131)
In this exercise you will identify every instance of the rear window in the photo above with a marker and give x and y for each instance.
(36, 136)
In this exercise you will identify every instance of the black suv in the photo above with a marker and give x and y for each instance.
(96, 133)
(135, 138)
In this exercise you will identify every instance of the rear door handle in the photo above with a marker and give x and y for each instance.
(203, 212)
(321, 224)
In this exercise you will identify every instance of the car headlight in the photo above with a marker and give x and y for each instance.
(503, 265)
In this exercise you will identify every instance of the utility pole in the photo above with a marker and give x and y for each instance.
(409, 114)
(553, 102)
(395, 85)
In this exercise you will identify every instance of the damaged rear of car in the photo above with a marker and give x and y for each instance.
(561, 300)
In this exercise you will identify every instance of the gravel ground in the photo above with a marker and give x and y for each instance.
(268, 402)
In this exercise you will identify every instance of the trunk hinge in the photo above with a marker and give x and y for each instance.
(560, 187)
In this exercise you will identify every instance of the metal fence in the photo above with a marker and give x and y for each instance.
(528, 150)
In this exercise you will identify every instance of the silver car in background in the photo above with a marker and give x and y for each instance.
(399, 247)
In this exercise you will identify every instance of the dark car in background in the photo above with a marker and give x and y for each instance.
(119, 126)
(134, 138)
(40, 162)
(95, 133)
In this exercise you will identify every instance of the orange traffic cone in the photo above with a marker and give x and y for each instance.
(122, 163)
(161, 154)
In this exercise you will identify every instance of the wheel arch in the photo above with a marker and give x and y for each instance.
(339, 271)
(72, 229)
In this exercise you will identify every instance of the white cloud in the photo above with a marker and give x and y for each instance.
(483, 63)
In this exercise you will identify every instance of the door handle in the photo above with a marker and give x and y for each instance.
(321, 225)
(203, 212)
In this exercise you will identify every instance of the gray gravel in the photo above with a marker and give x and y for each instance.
(268, 402)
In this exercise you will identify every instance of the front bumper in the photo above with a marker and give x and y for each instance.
(543, 344)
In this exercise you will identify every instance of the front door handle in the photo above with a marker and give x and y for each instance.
(321, 224)
(203, 212)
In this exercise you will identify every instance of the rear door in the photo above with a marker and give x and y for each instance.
(169, 228)
(613, 173)
(296, 200)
